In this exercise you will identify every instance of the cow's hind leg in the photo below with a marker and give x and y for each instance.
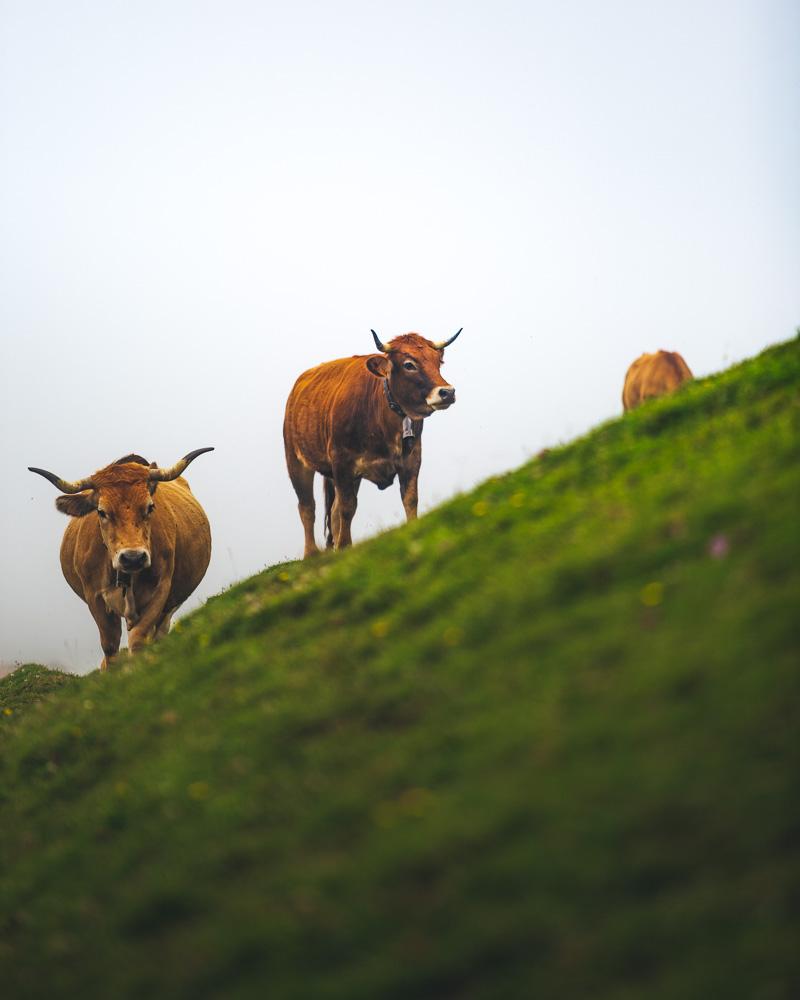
(303, 482)
(332, 519)
(163, 626)
(330, 496)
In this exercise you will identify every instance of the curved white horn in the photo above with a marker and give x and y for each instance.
(441, 344)
(165, 475)
(61, 484)
(378, 343)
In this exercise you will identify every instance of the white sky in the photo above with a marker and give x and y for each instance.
(199, 200)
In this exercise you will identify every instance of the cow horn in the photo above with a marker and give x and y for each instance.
(440, 345)
(61, 484)
(165, 475)
(378, 344)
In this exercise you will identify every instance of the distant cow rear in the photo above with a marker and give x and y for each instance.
(653, 375)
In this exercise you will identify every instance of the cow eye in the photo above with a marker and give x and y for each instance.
(101, 514)
(150, 510)
(409, 366)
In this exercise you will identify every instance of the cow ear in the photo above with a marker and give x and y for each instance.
(76, 504)
(379, 365)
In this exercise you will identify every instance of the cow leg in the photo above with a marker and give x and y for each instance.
(148, 626)
(163, 626)
(335, 519)
(408, 473)
(150, 617)
(344, 507)
(330, 496)
(109, 626)
(408, 492)
(303, 482)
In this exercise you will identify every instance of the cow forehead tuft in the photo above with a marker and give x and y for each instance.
(411, 342)
(122, 475)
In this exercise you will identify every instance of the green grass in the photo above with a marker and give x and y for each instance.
(29, 684)
(541, 743)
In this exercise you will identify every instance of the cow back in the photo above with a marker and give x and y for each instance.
(653, 375)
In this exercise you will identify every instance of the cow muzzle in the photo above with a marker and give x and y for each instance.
(132, 560)
(441, 397)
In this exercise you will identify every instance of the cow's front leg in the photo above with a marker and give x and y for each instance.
(408, 493)
(109, 625)
(344, 507)
(150, 616)
(408, 473)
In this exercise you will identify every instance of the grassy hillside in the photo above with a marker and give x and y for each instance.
(28, 684)
(543, 742)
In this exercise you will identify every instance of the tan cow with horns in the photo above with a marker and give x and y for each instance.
(361, 418)
(134, 548)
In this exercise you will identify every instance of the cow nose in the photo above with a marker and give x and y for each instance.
(447, 394)
(133, 559)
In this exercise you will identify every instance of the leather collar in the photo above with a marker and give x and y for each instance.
(408, 426)
(393, 404)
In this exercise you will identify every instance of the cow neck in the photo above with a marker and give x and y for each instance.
(408, 427)
(124, 583)
(393, 404)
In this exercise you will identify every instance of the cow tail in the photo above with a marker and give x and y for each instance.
(330, 493)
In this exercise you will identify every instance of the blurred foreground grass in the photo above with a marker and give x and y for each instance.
(542, 742)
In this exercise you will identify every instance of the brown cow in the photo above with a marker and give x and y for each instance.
(653, 375)
(361, 418)
(129, 552)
